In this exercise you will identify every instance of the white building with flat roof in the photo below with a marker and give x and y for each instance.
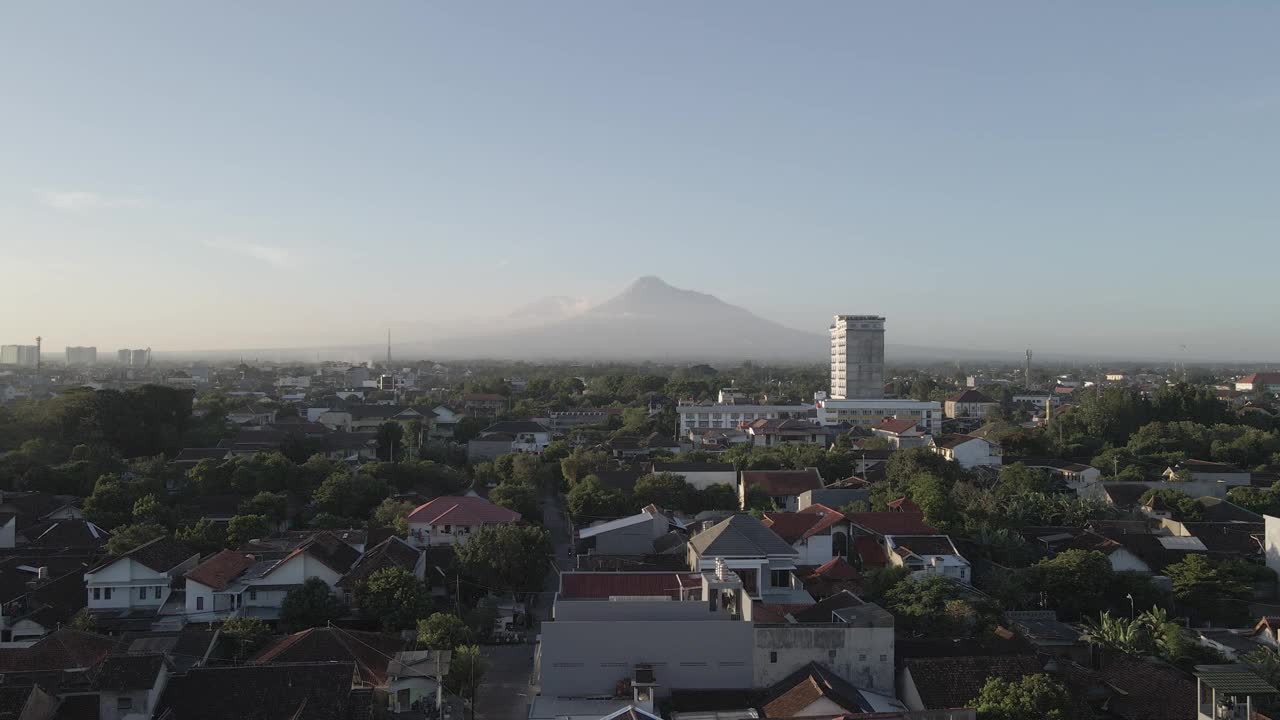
(708, 417)
(869, 413)
(857, 357)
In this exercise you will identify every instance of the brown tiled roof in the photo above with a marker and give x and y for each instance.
(837, 569)
(950, 442)
(161, 555)
(327, 549)
(371, 652)
(925, 544)
(896, 426)
(811, 683)
(128, 672)
(461, 510)
(969, 396)
(955, 682)
(783, 482)
(1140, 689)
(390, 553)
(308, 691)
(870, 551)
(63, 649)
(221, 569)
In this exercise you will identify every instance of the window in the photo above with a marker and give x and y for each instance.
(831, 654)
(884, 658)
(773, 657)
(199, 603)
(448, 529)
(124, 703)
(106, 593)
(97, 593)
(862, 657)
(253, 594)
(780, 578)
(142, 593)
(157, 593)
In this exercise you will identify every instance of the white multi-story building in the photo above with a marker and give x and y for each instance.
(77, 355)
(24, 355)
(139, 579)
(708, 417)
(857, 357)
(869, 413)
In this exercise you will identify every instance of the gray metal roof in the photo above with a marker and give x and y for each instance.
(740, 536)
(1233, 679)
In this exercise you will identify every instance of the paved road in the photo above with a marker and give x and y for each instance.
(508, 684)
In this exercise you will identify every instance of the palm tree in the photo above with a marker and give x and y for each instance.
(1126, 636)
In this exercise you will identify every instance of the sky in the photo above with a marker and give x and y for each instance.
(1095, 176)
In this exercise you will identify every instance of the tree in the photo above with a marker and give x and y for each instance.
(123, 539)
(349, 494)
(394, 597)
(390, 440)
(506, 557)
(928, 605)
(148, 510)
(393, 513)
(666, 490)
(589, 500)
(481, 618)
(1183, 506)
(205, 536)
(243, 528)
(1030, 697)
(1131, 637)
(581, 463)
(1075, 581)
(718, 496)
(466, 673)
(246, 634)
(518, 496)
(443, 631)
(309, 605)
(1199, 586)
(1265, 663)
(273, 505)
(84, 621)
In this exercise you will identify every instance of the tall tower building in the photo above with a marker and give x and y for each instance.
(857, 357)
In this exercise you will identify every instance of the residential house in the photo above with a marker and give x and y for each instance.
(483, 404)
(953, 683)
(1203, 471)
(236, 584)
(190, 457)
(631, 535)
(70, 652)
(526, 435)
(1076, 477)
(560, 422)
(719, 417)
(297, 691)
(1268, 382)
(253, 414)
(42, 604)
(969, 404)
(783, 487)
(818, 533)
(813, 691)
(394, 552)
(140, 579)
(844, 634)
(834, 576)
(832, 496)
(868, 532)
(901, 433)
(129, 686)
(447, 418)
(764, 432)
(368, 418)
(744, 545)
(1235, 688)
(1121, 557)
(928, 555)
(968, 451)
(451, 519)
(489, 446)
(700, 476)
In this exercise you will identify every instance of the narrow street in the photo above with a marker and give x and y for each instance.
(508, 686)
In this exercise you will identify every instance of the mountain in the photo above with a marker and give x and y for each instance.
(648, 320)
(548, 310)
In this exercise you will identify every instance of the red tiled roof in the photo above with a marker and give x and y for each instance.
(461, 510)
(871, 552)
(836, 569)
(63, 649)
(792, 527)
(221, 569)
(774, 612)
(603, 585)
(371, 652)
(783, 482)
(892, 523)
(969, 396)
(896, 426)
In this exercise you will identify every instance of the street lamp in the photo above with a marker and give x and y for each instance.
(1130, 596)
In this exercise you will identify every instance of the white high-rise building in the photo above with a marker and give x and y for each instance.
(24, 355)
(857, 357)
(78, 355)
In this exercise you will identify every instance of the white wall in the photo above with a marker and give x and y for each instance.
(862, 655)
(815, 550)
(8, 533)
(1271, 544)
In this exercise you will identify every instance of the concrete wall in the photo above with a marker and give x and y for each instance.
(625, 610)
(1271, 543)
(815, 550)
(861, 655)
(589, 658)
(634, 539)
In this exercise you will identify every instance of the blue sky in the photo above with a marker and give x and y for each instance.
(1096, 177)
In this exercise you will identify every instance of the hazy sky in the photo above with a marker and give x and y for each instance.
(1074, 176)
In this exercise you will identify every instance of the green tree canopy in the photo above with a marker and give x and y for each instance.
(243, 528)
(506, 557)
(1074, 580)
(1030, 697)
(125, 538)
(443, 631)
(309, 605)
(590, 500)
(394, 598)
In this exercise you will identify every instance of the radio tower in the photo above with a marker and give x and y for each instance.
(38, 341)
(1026, 370)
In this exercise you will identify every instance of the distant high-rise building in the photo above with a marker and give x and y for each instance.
(79, 355)
(122, 356)
(140, 358)
(857, 357)
(23, 355)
